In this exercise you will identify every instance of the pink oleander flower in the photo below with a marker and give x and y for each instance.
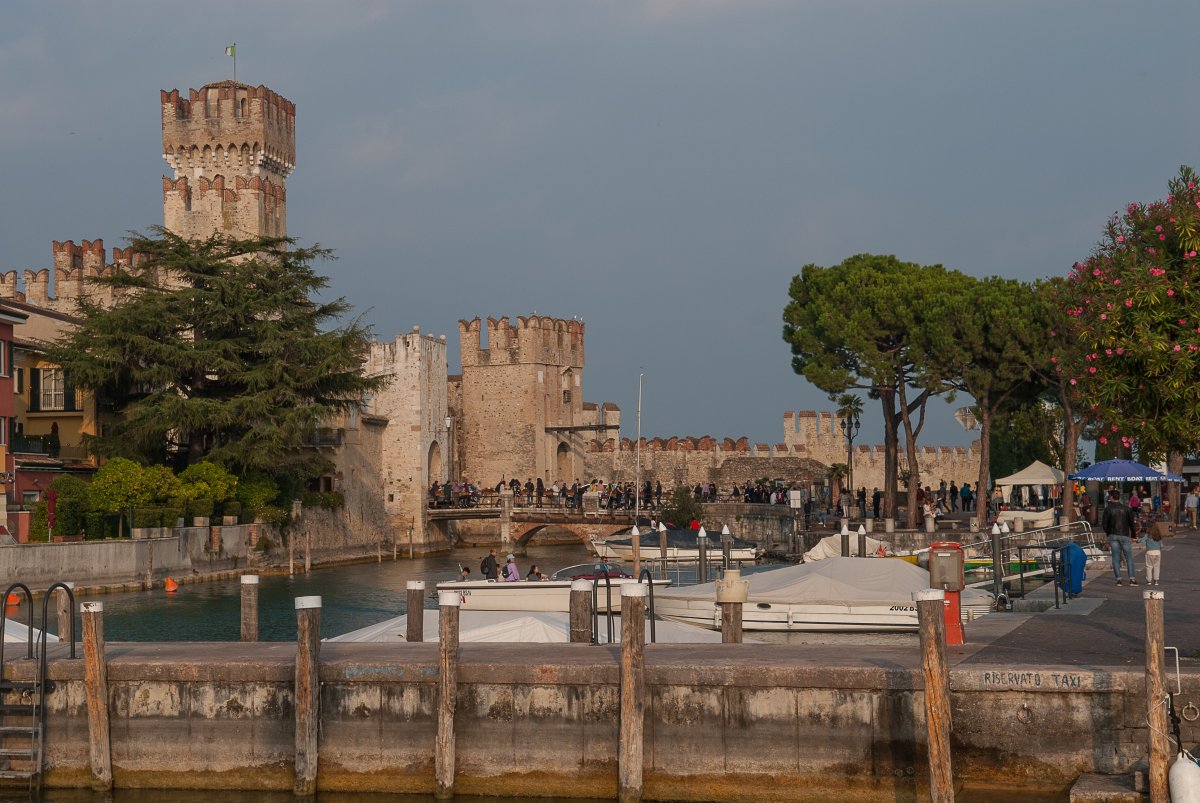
(1170, 292)
(1158, 227)
(1177, 347)
(1103, 439)
(1104, 317)
(1116, 281)
(1162, 236)
(1073, 382)
(1120, 352)
(1121, 238)
(1114, 427)
(1092, 370)
(1108, 352)
(1054, 359)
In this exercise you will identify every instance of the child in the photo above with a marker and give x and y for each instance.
(1153, 558)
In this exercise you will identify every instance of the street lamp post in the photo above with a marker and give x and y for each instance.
(850, 426)
(449, 422)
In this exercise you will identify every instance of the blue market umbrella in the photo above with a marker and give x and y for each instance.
(1123, 471)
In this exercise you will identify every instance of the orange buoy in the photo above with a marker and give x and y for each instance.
(171, 586)
(12, 599)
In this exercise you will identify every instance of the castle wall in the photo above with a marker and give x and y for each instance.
(812, 443)
(413, 449)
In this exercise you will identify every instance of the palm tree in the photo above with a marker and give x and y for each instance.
(837, 473)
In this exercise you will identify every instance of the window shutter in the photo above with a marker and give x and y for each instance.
(19, 380)
(35, 389)
(69, 393)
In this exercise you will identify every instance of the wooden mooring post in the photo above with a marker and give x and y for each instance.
(932, 628)
(633, 692)
(249, 607)
(415, 630)
(66, 616)
(732, 592)
(1156, 697)
(95, 680)
(581, 611)
(447, 694)
(307, 693)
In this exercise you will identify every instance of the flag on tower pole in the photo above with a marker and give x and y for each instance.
(231, 51)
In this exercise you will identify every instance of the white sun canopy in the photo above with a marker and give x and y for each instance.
(1036, 473)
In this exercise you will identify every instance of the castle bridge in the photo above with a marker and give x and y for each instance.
(520, 525)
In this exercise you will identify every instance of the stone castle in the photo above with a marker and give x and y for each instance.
(516, 410)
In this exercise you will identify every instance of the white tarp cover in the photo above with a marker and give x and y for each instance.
(512, 627)
(831, 547)
(831, 581)
(15, 631)
(1036, 473)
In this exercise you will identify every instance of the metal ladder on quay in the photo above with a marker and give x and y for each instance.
(23, 703)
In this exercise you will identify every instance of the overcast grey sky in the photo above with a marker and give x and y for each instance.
(659, 169)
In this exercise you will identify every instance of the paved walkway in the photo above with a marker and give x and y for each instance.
(1103, 627)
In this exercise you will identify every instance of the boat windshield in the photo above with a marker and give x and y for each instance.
(589, 571)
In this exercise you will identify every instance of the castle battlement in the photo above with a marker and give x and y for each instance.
(258, 124)
(532, 340)
(60, 288)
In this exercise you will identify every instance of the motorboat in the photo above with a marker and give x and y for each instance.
(553, 594)
(833, 595)
(682, 546)
(512, 627)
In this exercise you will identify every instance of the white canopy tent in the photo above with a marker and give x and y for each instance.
(1037, 474)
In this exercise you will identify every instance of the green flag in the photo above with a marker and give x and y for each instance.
(231, 51)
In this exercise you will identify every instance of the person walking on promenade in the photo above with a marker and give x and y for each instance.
(862, 502)
(876, 498)
(1153, 558)
(1119, 525)
(953, 496)
(1191, 505)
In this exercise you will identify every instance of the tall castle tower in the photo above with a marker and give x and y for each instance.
(231, 148)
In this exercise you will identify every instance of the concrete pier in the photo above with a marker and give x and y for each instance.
(1037, 701)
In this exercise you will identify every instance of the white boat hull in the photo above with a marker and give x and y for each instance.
(794, 617)
(533, 595)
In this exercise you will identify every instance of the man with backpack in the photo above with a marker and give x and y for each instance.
(489, 568)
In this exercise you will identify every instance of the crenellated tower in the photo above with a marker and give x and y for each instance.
(231, 147)
(522, 397)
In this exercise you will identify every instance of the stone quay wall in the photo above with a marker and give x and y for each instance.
(722, 722)
(186, 550)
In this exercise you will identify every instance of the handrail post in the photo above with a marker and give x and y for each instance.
(649, 578)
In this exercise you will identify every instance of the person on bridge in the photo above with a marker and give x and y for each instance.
(541, 490)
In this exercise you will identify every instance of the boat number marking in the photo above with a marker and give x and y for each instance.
(1057, 680)
(903, 608)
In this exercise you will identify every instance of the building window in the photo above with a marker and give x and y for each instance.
(30, 498)
(53, 390)
(5, 357)
(566, 397)
(19, 380)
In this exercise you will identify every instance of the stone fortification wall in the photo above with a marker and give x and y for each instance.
(61, 287)
(818, 435)
(407, 444)
(687, 461)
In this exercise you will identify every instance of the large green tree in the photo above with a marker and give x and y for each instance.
(217, 349)
(864, 324)
(992, 338)
(1136, 305)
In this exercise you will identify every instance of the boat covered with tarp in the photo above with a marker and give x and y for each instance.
(833, 595)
